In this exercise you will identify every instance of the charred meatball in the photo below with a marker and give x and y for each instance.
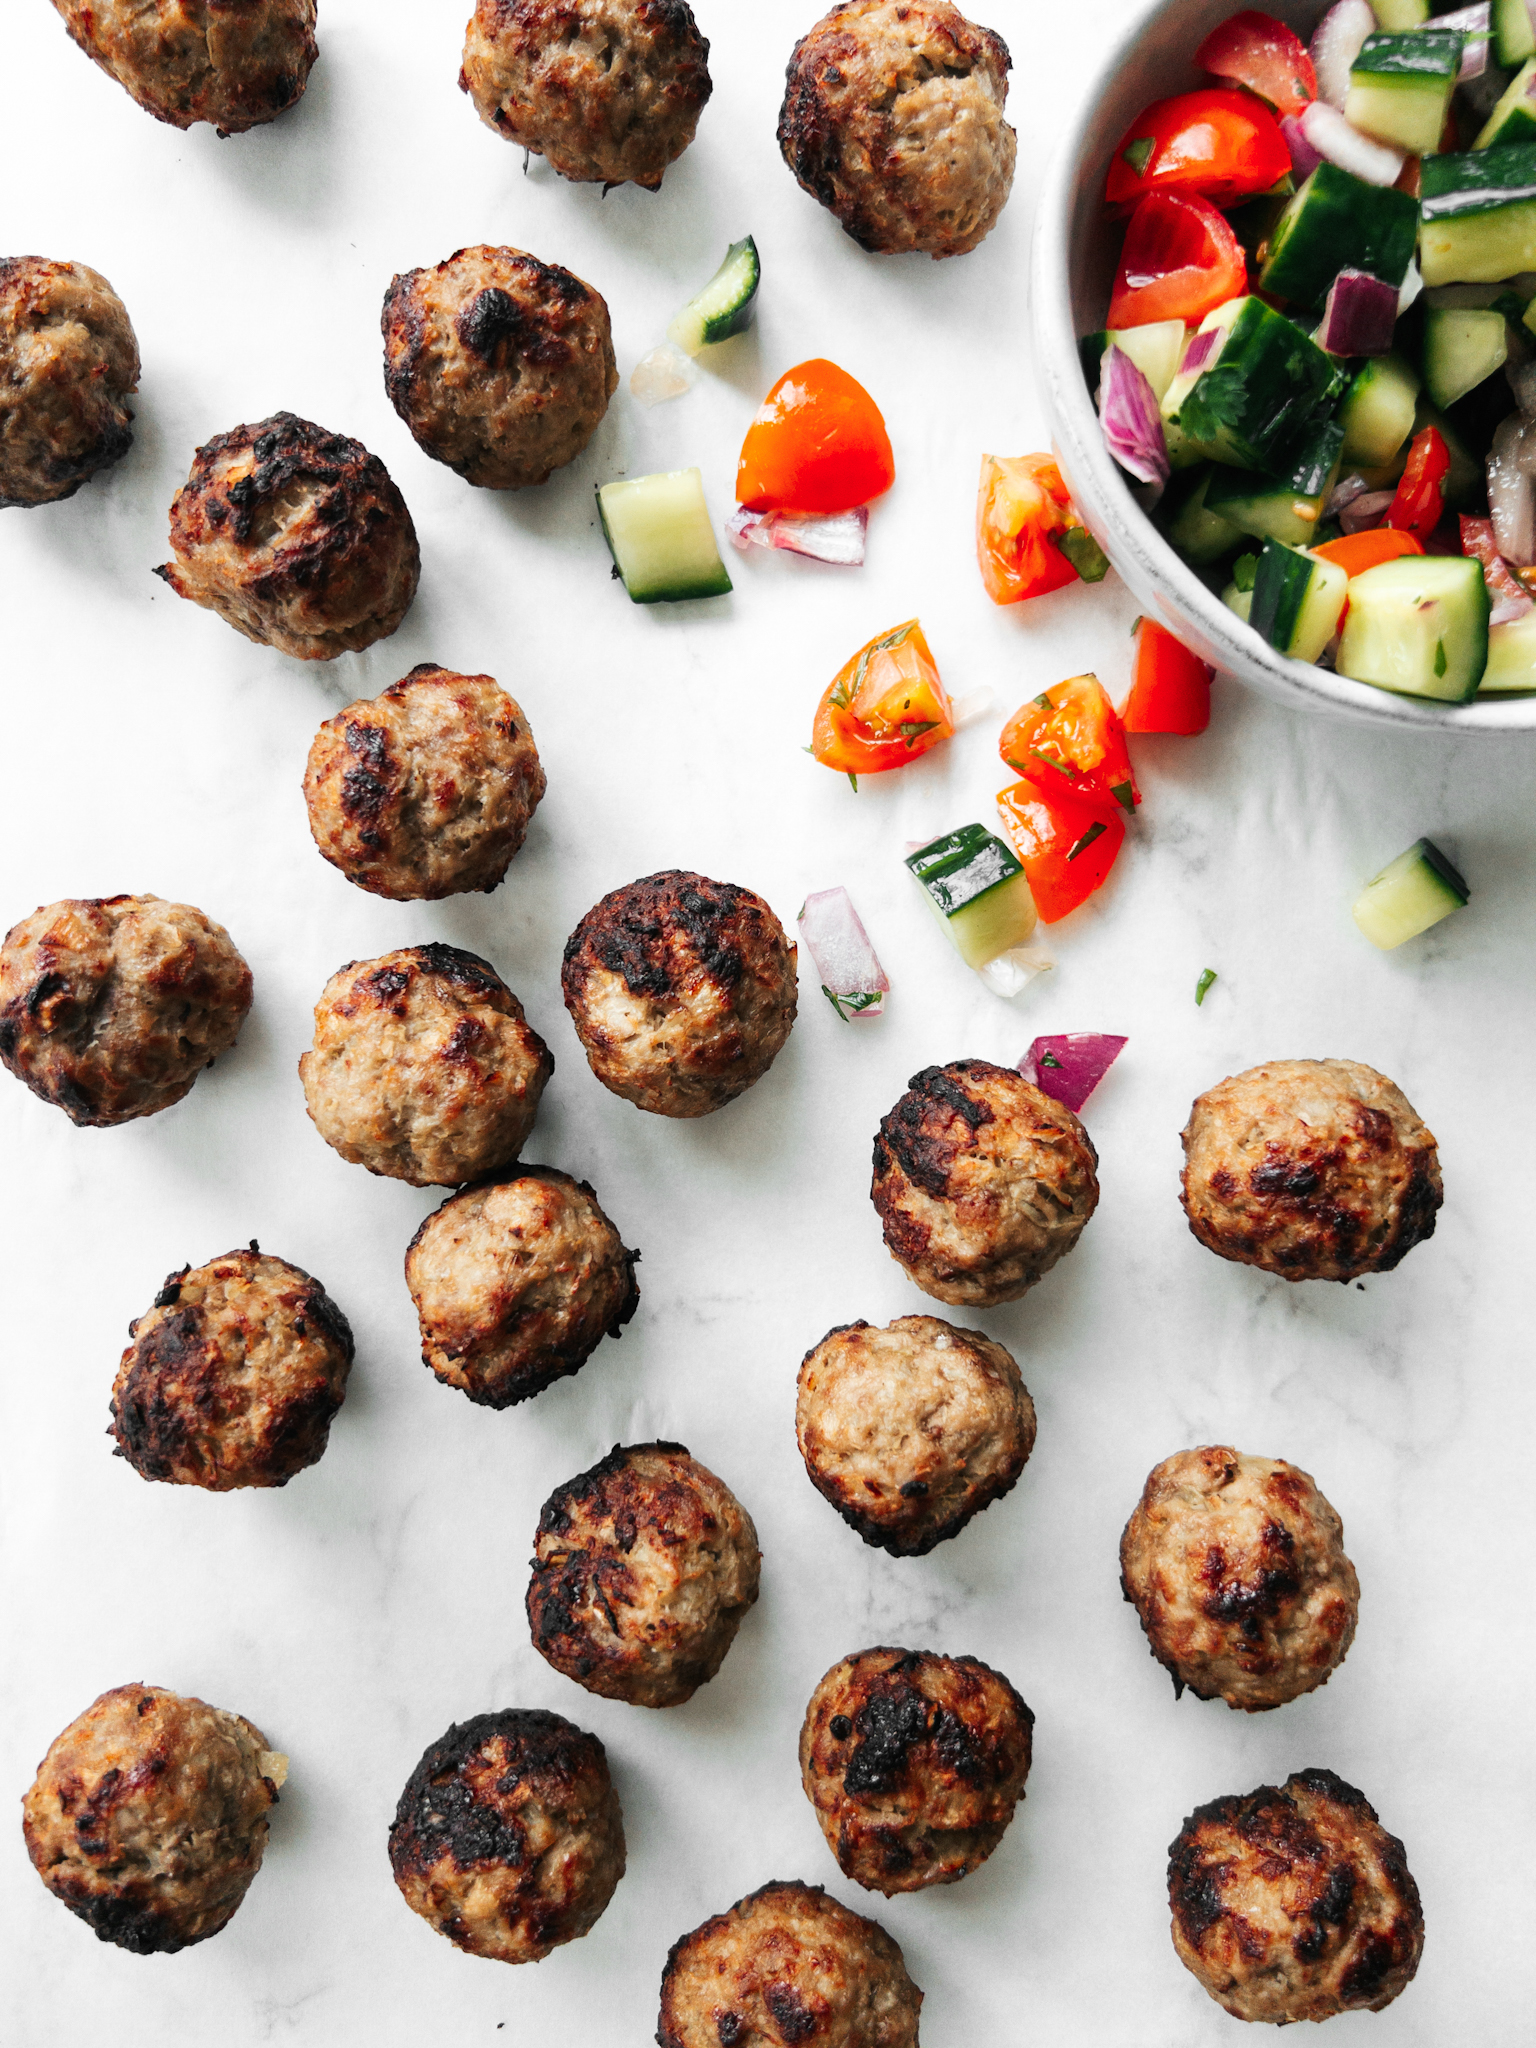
(234, 1375)
(68, 360)
(500, 365)
(682, 991)
(643, 1570)
(609, 91)
(914, 1763)
(981, 1182)
(424, 1068)
(1236, 1567)
(910, 1430)
(231, 63)
(516, 1285)
(788, 1964)
(1312, 1169)
(295, 537)
(111, 1006)
(508, 1837)
(148, 1817)
(1294, 1903)
(893, 119)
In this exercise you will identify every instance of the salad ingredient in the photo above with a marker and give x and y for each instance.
(1418, 625)
(1208, 980)
(852, 979)
(884, 707)
(1069, 1065)
(1133, 426)
(1297, 600)
(1463, 346)
(1476, 34)
(1255, 50)
(1359, 316)
(662, 372)
(1337, 221)
(1010, 973)
(1511, 656)
(1213, 143)
(1263, 383)
(1285, 507)
(1400, 88)
(818, 444)
(1065, 844)
(1366, 512)
(1024, 518)
(1199, 534)
(1420, 497)
(1304, 161)
(836, 537)
(1357, 552)
(1514, 34)
(1180, 261)
(1328, 136)
(1478, 215)
(1512, 490)
(1336, 43)
(975, 887)
(1378, 411)
(1409, 895)
(1506, 593)
(1157, 350)
(658, 532)
(725, 306)
(1070, 737)
(1514, 118)
(1170, 687)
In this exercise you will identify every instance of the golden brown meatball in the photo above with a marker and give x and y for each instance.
(1294, 1903)
(68, 360)
(148, 1817)
(787, 1964)
(500, 365)
(1312, 1169)
(893, 119)
(682, 991)
(508, 1837)
(643, 1570)
(981, 1182)
(295, 537)
(516, 1285)
(424, 1068)
(111, 1006)
(232, 63)
(1236, 1567)
(609, 91)
(234, 1375)
(914, 1763)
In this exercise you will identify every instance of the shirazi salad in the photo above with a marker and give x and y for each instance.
(1320, 350)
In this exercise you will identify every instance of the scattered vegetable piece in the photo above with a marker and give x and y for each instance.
(1170, 687)
(1336, 43)
(1203, 987)
(1400, 87)
(1009, 974)
(1180, 261)
(1214, 143)
(1416, 507)
(662, 374)
(975, 887)
(658, 532)
(1133, 426)
(818, 444)
(1069, 1065)
(1507, 594)
(724, 307)
(1255, 50)
(1409, 895)
(1418, 625)
(1360, 316)
(973, 707)
(852, 979)
(1065, 845)
(1334, 138)
(1070, 739)
(1304, 158)
(884, 707)
(1357, 552)
(836, 537)
(1025, 521)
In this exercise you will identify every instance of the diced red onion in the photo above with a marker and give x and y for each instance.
(1331, 136)
(1512, 489)
(1511, 599)
(972, 708)
(1198, 350)
(836, 537)
(1133, 426)
(852, 979)
(1335, 46)
(1474, 26)
(1304, 158)
(1368, 510)
(1344, 492)
(1071, 1064)
(1360, 315)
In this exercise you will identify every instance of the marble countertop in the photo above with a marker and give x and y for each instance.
(357, 1612)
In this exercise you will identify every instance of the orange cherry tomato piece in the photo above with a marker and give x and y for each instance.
(1357, 552)
(1069, 740)
(1180, 261)
(1170, 687)
(1215, 143)
(818, 444)
(1021, 506)
(1255, 50)
(884, 707)
(1066, 847)
(1417, 506)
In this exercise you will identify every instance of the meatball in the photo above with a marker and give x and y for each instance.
(295, 537)
(231, 63)
(1294, 1903)
(148, 1817)
(68, 360)
(643, 1569)
(1312, 1169)
(682, 991)
(787, 1963)
(893, 119)
(982, 1182)
(910, 1430)
(508, 1837)
(609, 91)
(500, 365)
(111, 1006)
(516, 1284)
(1236, 1567)
(914, 1763)
(233, 1377)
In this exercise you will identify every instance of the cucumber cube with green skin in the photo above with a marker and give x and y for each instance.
(1285, 507)
(1400, 14)
(1400, 88)
(1514, 118)
(1514, 37)
(1339, 222)
(1377, 413)
(724, 306)
(1478, 215)
(1267, 383)
(975, 887)
(1418, 625)
(1297, 600)
(1511, 657)
(1199, 534)
(1410, 894)
(658, 532)
(1462, 348)
(1156, 349)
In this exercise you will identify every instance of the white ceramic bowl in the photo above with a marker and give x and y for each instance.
(1075, 252)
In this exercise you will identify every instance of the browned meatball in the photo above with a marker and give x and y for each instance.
(893, 119)
(643, 1570)
(508, 1837)
(787, 1964)
(682, 991)
(609, 91)
(232, 63)
(516, 1285)
(148, 1817)
(111, 1006)
(233, 1377)
(1312, 1169)
(295, 537)
(981, 1182)
(914, 1763)
(1294, 1903)
(910, 1430)
(500, 365)
(68, 360)
(1236, 1567)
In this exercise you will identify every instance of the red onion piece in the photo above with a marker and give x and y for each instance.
(1335, 46)
(1360, 315)
(1071, 1064)
(1304, 158)
(852, 979)
(1133, 426)
(1331, 136)
(1344, 492)
(836, 537)
(1512, 489)
(1511, 599)
(1473, 23)
(1366, 511)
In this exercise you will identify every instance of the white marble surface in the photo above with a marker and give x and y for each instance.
(357, 1612)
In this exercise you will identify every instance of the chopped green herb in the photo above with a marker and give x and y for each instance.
(916, 729)
(1244, 570)
(853, 780)
(1066, 768)
(850, 1006)
(1125, 796)
(1204, 985)
(1084, 553)
(1044, 700)
(1048, 1059)
(840, 697)
(800, 913)
(1138, 154)
(1095, 830)
(1135, 625)
(1439, 657)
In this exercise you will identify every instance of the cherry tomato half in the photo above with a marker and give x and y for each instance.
(818, 444)
(884, 707)
(1417, 506)
(1255, 50)
(1069, 740)
(1215, 143)
(1181, 261)
(1066, 847)
(1170, 687)
(1021, 506)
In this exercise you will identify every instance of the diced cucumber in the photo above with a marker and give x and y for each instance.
(658, 532)
(1338, 222)
(1181, 455)
(1514, 118)
(1409, 895)
(1418, 625)
(1461, 349)
(975, 887)
(1286, 507)
(1514, 38)
(1197, 533)
(1156, 349)
(1239, 601)
(1511, 657)
(1297, 600)
(1400, 88)
(1217, 322)
(1400, 14)
(1267, 384)
(1478, 215)
(1377, 413)
(724, 307)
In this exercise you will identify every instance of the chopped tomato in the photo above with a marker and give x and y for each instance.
(1070, 738)
(1170, 687)
(1065, 846)
(1357, 552)
(1255, 50)
(818, 444)
(1022, 508)
(884, 707)
(1213, 144)
(1181, 261)
(1477, 538)
(1417, 506)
